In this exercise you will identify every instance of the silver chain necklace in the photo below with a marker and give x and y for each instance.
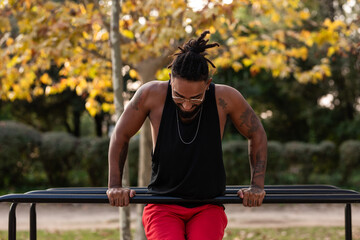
(197, 130)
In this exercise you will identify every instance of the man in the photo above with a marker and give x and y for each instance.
(188, 116)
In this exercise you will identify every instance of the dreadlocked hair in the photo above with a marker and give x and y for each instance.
(190, 63)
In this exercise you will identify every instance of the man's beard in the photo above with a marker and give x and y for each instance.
(188, 116)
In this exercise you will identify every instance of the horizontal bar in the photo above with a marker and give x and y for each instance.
(299, 186)
(230, 198)
(228, 191)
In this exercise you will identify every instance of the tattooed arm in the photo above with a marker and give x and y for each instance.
(128, 124)
(249, 125)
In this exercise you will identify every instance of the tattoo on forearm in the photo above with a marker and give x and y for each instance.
(222, 103)
(258, 171)
(122, 157)
(135, 102)
(260, 166)
(249, 121)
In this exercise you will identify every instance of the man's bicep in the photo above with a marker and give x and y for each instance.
(134, 115)
(244, 117)
(130, 122)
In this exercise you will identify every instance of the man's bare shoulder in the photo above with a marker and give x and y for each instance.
(149, 95)
(154, 90)
(155, 86)
(225, 91)
(228, 98)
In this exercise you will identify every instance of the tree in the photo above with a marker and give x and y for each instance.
(117, 80)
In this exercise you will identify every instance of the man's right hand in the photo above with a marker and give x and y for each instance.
(120, 197)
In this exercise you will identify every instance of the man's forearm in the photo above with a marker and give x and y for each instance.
(117, 158)
(258, 159)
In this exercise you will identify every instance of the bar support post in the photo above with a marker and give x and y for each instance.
(12, 222)
(348, 227)
(33, 221)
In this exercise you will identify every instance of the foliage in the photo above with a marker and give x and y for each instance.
(30, 159)
(133, 156)
(236, 162)
(58, 156)
(71, 38)
(282, 78)
(289, 163)
(349, 159)
(93, 153)
(19, 150)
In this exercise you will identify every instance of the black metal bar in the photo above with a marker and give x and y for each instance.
(12, 222)
(148, 198)
(228, 191)
(33, 221)
(299, 186)
(348, 227)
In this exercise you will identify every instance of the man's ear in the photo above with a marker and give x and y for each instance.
(170, 77)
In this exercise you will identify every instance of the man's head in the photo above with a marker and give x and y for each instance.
(190, 76)
(190, 63)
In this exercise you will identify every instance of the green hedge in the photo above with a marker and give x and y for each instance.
(30, 159)
(19, 150)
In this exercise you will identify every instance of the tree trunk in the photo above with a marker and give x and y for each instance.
(147, 70)
(117, 80)
(143, 173)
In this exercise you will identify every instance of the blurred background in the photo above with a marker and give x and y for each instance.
(68, 68)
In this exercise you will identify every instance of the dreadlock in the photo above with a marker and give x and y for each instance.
(190, 63)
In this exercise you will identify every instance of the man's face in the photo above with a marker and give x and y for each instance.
(188, 96)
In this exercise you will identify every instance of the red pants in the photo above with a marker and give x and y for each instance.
(173, 222)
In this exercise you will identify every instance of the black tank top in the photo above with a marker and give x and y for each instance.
(190, 171)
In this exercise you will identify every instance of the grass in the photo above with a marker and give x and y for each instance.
(294, 233)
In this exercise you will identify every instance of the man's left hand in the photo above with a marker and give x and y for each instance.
(252, 196)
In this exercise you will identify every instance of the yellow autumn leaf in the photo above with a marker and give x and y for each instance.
(163, 74)
(85, 35)
(82, 9)
(254, 70)
(133, 74)
(212, 29)
(4, 24)
(127, 33)
(303, 77)
(9, 41)
(304, 14)
(49, 90)
(222, 62)
(106, 107)
(96, 27)
(275, 17)
(38, 91)
(45, 79)
(92, 106)
(247, 62)
(237, 66)
(275, 72)
(105, 36)
(12, 62)
(316, 76)
(331, 51)
(93, 93)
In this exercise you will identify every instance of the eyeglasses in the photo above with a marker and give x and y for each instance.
(194, 101)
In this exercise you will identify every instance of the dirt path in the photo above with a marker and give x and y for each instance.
(96, 216)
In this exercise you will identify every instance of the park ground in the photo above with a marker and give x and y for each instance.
(57, 217)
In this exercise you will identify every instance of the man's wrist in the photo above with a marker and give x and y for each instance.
(257, 186)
